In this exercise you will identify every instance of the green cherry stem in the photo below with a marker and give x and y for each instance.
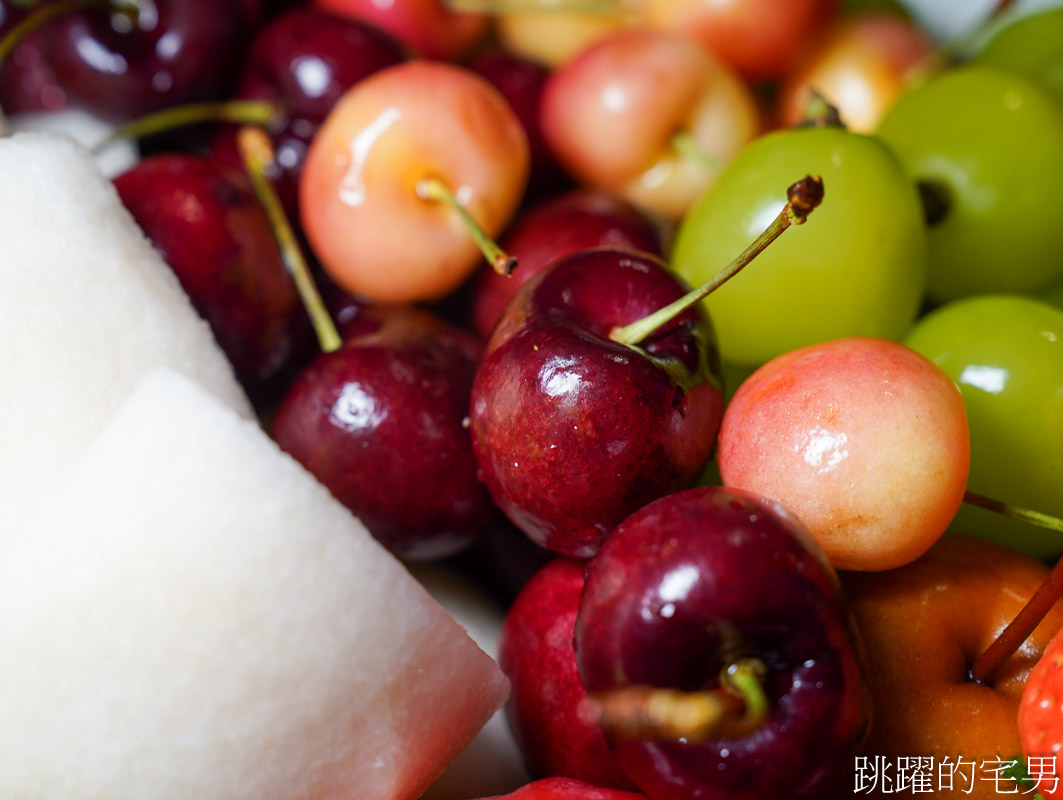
(257, 154)
(684, 143)
(247, 112)
(436, 191)
(801, 198)
(736, 709)
(46, 13)
(987, 666)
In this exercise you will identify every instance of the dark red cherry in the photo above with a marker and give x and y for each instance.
(521, 82)
(716, 594)
(578, 220)
(573, 430)
(303, 61)
(177, 51)
(380, 422)
(209, 227)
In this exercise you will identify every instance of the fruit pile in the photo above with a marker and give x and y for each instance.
(713, 352)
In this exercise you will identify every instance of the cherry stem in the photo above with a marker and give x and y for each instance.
(41, 16)
(802, 198)
(257, 154)
(686, 145)
(735, 710)
(535, 6)
(819, 113)
(435, 190)
(248, 112)
(987, 666)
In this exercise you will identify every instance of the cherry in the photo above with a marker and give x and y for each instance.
(407, 159)
(426, 26)
(566, 789)
(574, 431)
(647, 115)
(864, 439)
(855, 289)
(603, 363)
(760, 692)
(379, 422)
(207, 224)
(1005, 353)
(761, 39)
(923, 626)
(553, 35)
(545, 708)
(986, 148)
(859, 67)
(522, 82)
(174, 52)
(578, 220)
(302, 62)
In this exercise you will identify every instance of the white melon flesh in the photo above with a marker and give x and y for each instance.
(190, 616)
(84, 127)
(492, 764)
(87, 307)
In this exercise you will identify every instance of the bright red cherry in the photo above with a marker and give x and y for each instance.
(545, 708)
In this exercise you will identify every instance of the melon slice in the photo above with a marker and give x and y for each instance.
(190, 616)
(87, 307)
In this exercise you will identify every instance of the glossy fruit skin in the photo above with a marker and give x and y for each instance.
(210, 228)
(558, 36)
(573, 431)
(1040, 716)
(181, 52)
(380, 423)
(1006, 355)
(565, 789)
(424, 25)
(544, 710)
(304, 60)
(820, 281)
(578, 220)
(1000, 233)
(864, 439)
(758, 38)
(859, 67)
(923, 626)
(1030, 47)
(610, 114)
(27, 80)
(677, 593)
(358, 194)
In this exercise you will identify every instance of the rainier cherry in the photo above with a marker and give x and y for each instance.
(865, 440)
(648, 115)
(405, 161)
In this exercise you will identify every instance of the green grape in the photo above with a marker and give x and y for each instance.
(857, 268)
(1053, 294)
(987, 146)
(1033, 47)
(1006, 354)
